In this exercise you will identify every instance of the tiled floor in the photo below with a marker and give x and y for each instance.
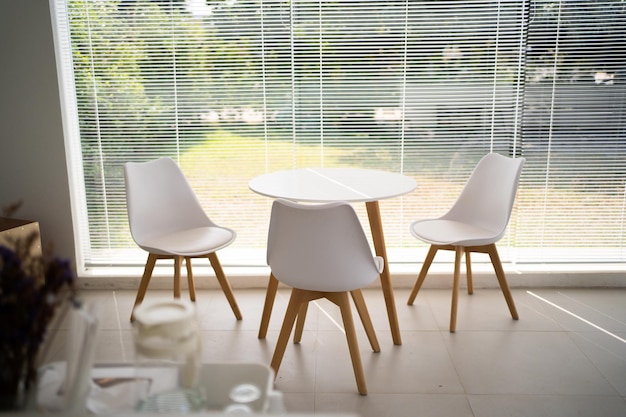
(566, 356)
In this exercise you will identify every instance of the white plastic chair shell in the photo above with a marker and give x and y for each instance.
(481, 212)
(320, 247)
(164, 214)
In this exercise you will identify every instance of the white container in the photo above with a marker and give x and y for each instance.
(167, 338)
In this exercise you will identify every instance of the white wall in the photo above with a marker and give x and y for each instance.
(32, 152)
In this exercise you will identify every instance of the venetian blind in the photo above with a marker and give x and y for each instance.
(233, 89)
(574, 133)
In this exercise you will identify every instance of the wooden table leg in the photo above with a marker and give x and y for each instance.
(376, 226)
(270, 295)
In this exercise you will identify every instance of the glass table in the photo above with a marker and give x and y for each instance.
(353, 185)
(113, 389)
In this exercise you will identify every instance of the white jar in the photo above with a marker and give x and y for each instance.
(168, 353)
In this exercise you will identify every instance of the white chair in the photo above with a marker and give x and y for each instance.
(167, 220)
(476, 221)
(321, 251)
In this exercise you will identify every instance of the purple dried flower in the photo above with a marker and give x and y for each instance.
(31, 290)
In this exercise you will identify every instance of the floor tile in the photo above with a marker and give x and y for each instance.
(524, 363)
(395, 405)
(547, 406)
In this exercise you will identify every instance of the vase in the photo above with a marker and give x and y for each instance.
(17, 393)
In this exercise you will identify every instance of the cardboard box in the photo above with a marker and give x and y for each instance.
(12, 230)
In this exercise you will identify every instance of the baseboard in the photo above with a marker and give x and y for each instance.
(403, 276)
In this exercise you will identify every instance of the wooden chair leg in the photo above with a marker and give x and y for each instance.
(270, 296)
(143, 284)
(178, 260)
(297, 336)
(458, 254)
(190, 281)
(361, 308)
(422, 275)
(221, 278)
(296, 299)
(342, 300)
(504, 285)
(468, 269)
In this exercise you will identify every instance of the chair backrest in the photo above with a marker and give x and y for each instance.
(488, 196)
(160, 200)
(320, 247)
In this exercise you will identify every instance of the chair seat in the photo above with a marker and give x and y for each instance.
(451, 232)
(191, 242)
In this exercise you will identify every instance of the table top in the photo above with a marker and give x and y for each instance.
(332, 184)
(114, 386)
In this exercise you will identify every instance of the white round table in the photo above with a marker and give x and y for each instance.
(338, 184)
(332, 184)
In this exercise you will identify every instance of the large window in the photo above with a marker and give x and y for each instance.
(232, 89)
